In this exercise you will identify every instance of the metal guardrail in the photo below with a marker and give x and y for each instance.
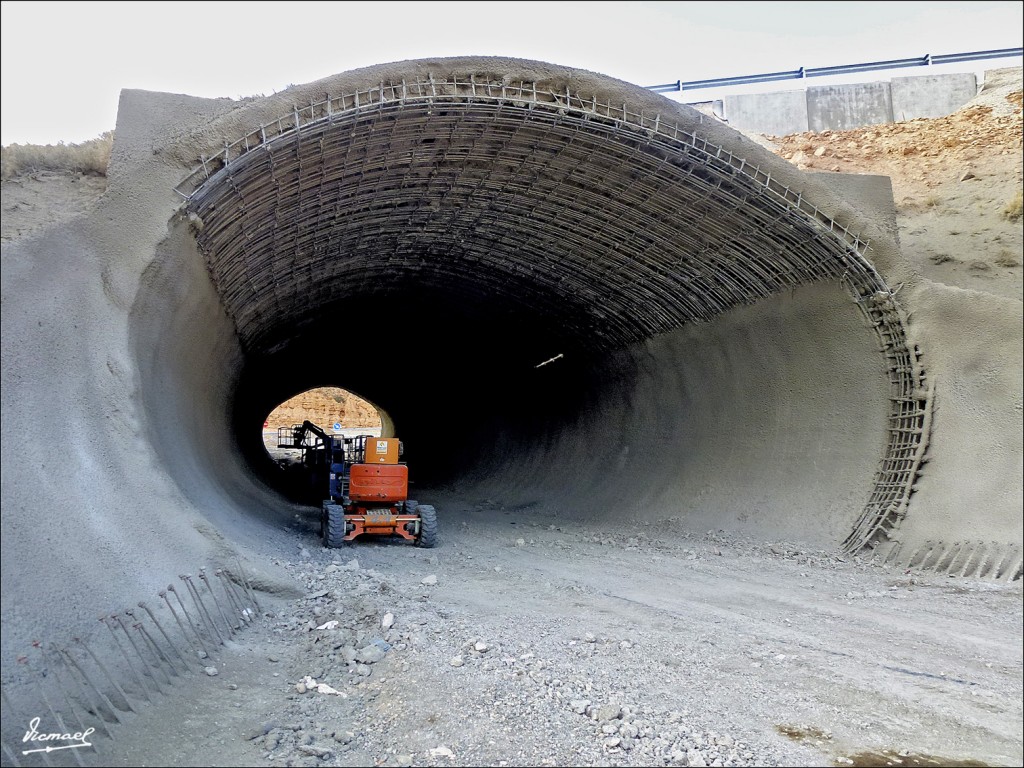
(842, 69)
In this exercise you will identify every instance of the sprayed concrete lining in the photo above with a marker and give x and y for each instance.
(733, 337)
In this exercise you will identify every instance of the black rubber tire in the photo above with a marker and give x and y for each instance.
(410, 506)
(428, 526)
(334, 525)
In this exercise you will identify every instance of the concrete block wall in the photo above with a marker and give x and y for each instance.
(842, 107)
(931, 96)
(778, 114)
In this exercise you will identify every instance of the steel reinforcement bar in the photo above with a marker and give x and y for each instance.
(94, 681)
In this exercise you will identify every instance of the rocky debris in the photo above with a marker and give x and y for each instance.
(579, 706)
(596, 687)
(211, 671)
(606, 712)
(309, 749)
(309, 684)
(429, 581)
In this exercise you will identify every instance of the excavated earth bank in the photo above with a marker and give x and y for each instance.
(728, 341)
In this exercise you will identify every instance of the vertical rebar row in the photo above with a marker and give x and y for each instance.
(57, 718)
(72, 711)
(248, 586)
(202, 652)
(143, 688)
(106, 673)
(75, 701)
(204, 616)
(102, 705)
(166, 637)
(219, 611)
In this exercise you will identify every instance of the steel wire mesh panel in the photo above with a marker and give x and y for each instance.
(616, 224)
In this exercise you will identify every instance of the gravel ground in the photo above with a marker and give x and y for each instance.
(520, 641)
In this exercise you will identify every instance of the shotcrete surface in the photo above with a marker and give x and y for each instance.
(680, 498)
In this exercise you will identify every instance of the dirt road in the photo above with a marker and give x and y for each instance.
(546, 645)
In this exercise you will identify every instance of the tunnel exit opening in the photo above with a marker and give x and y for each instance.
(331, 408)
(330, 411)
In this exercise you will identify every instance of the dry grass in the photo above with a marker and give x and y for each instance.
(1007, 259)
(916, 205)
(1012, 211)
(90, 157)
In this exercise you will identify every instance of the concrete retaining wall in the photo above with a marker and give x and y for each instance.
(777, 114)
(842, 107)
(931, 96)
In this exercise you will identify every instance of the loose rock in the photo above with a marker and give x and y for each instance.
(370, 654)
(608, 712)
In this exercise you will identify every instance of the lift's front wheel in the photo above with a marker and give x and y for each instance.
(333, 525)
(428, 526)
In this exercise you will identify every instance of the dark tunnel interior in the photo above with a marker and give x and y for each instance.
(440, 366)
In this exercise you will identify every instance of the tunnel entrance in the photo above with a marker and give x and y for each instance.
(478, 226)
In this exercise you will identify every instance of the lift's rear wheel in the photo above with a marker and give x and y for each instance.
(334, 525)
(410, 506)
(428, 526)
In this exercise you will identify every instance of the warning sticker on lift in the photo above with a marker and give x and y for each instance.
(382, 446)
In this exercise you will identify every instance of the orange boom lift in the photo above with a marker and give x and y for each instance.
(367, 486)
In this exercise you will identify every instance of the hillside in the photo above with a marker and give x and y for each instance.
(956, 182)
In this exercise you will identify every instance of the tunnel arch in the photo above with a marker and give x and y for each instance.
(514, 205)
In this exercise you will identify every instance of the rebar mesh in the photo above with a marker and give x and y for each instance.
(613, 223)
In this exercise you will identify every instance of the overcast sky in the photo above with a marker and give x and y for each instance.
(64, 63)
